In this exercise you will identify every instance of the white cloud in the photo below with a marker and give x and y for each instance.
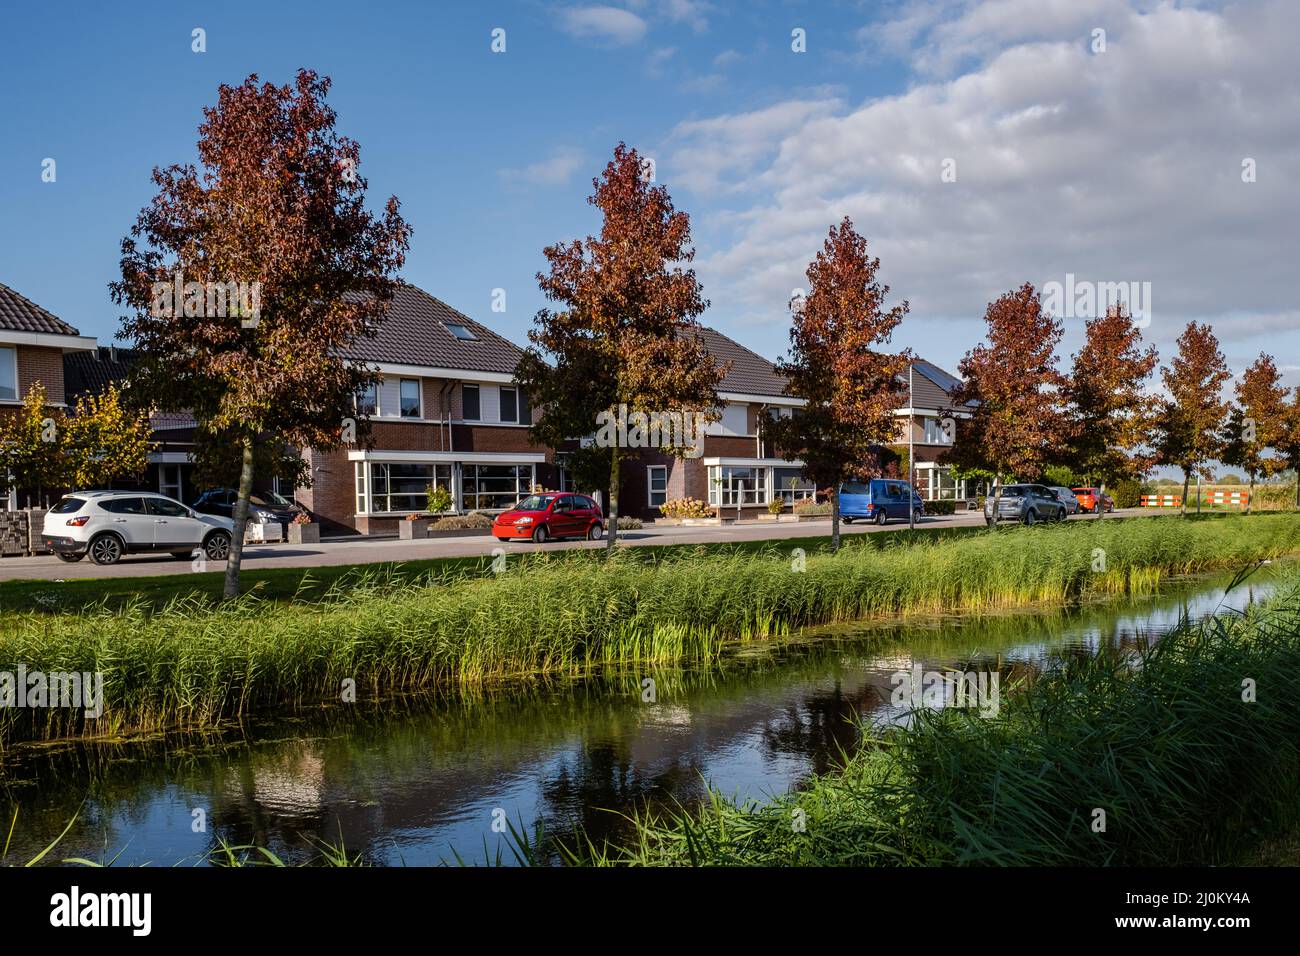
(1121, 166)
(610, 25)
(555, 170)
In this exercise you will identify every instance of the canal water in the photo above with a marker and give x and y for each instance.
(423, 780)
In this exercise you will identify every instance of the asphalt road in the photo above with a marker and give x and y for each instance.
(358, 550)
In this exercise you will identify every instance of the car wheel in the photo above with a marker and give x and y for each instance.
(881, 516)
(846, 520)
(595, 532)
(217, 546)
(70, 558)
(540, 534)
(1030, 517)
(917, 516)
(105, 549)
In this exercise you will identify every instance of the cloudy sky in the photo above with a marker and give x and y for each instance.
(977, 145)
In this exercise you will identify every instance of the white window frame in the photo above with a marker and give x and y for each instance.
(650, 485)
(9, 362)
(165, 487)
(356, 401)
(514, 404)
(361, 475)
(419, 399)
(477, 391)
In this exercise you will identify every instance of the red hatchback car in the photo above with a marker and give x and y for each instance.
(552, 515)
(1088, 500)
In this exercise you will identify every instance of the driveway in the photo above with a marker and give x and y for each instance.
(359, 550)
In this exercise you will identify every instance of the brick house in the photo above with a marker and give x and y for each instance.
(33, 345)
(447, 412)
(933, 420)
(738, 470)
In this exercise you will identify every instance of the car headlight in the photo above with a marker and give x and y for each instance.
(524, 521)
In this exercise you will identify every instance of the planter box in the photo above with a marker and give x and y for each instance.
(812, 517)
(413, 530)
(304, 533)
(458, 533)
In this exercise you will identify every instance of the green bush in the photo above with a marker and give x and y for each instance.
(944, 506)
(1128, 493)
(437, 499)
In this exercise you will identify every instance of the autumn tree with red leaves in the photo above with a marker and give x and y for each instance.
(1016, 421)
(1190, 422)
(1289, 442)
(627, 330)
(1257, 423)
(850, 387)
(1110, 415)
(278, 204)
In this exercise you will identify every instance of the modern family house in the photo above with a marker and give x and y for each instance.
(447, 412)
(737, 469)
(933, 419)
(33, 346)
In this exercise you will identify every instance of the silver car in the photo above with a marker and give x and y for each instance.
(109, 524)
(1066, 497)
(1026, 503)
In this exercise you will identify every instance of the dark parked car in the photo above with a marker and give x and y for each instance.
(1027, 503)
(265, 507)
(552, 515)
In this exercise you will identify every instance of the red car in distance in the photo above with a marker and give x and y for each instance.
(551, 515)
(1088, 500)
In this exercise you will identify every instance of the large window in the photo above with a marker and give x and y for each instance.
(169, 481)
(514, 406)
(935, 434)
(509, 404)
(729, 485)
(9, 374)
(493, 487)
(402, 486)
(657, 476)
(410, 394)
(469, 403)
(787, 483)
(368, 400)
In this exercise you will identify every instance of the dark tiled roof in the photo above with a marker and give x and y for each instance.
(750, 373)
(89, 373)
(944, 380)
(415, 333)
(20, 314)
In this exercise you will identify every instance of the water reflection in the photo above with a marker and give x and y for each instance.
(419, 782)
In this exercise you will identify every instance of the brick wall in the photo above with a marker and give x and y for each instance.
(42, 365)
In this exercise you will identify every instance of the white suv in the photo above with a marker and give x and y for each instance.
(109, 524)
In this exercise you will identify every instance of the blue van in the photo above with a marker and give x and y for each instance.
(878, 500)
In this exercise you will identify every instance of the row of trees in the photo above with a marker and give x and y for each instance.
(627, 332)
(1100, 418)
(278, 199)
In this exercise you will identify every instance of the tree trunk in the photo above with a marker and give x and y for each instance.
(612, 532)
(1250, 495)
(1101, 495)
(997, 501)
(1187, 480)
(835, 520)
(231, 589)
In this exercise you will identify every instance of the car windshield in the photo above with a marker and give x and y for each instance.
(67, 506)
(1013, 491)
(271, 499)
(534, 503)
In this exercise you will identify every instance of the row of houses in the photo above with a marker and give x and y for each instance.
(447, 411)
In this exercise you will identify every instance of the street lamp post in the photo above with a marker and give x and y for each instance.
(911, 467)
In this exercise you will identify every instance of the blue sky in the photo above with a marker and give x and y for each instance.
(1120, 165)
